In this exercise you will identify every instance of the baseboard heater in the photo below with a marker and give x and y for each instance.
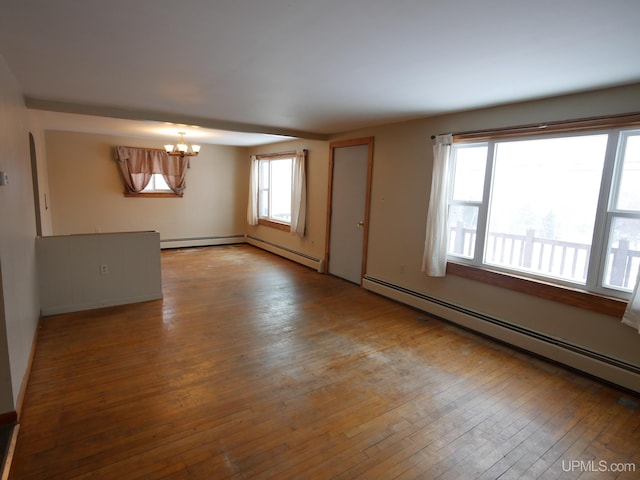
(201, 241)
(290, 254)
(593, 363)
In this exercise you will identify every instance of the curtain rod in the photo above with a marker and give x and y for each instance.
(144, 148)
(495, 130)
(545, 125)
(277, 154)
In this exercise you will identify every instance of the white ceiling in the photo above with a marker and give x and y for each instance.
(311, 67)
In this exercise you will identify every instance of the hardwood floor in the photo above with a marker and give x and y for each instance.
(253, 367)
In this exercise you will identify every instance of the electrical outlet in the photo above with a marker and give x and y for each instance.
(4, 178)
(104, 269)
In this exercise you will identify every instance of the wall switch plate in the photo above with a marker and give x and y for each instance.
(4, 178)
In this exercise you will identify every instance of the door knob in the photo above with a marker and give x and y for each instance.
(360, 224)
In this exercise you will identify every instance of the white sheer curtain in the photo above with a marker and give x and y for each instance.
(252, 206)
(299, 194)
(434, 260)
(631, 315)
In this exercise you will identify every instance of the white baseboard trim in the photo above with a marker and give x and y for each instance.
(593, 363)
(298, 257)
(201, 241)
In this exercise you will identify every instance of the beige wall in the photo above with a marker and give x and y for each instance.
(317, 184)
(400, 192)
(19, 309)
(87, 191)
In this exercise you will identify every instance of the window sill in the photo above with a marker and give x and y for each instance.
(574, 297)
(154, 195)
(273, 224)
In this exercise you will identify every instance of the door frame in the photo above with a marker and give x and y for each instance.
(36, 184)
(367, 202)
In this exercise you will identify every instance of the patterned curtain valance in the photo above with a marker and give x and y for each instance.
(138, 164)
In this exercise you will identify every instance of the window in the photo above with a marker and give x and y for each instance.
(563, 208)
(157, 184)
(278, 191)
(622, 252)
(274, 190)
(151, 172)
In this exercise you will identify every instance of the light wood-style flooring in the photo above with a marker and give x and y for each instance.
(253, 367)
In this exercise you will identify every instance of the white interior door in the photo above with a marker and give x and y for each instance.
(348, 210)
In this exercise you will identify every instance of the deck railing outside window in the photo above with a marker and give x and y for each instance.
(556, 258)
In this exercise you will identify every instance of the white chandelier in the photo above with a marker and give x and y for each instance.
(182, 149)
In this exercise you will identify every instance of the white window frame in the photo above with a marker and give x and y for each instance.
(605, 212)
(610, 210)
(269, 218)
